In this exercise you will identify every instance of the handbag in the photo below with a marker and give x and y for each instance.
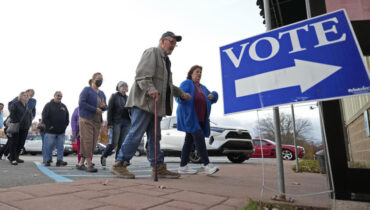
(13, 128)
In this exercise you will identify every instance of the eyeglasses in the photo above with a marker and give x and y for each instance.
(172, 42)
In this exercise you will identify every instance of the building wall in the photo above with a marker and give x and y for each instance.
(359, 143)
(354, 107)
(356, 9)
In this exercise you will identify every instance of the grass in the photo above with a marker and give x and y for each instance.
(311, 166)
(255, 205)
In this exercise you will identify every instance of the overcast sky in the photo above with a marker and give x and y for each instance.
(57, 45)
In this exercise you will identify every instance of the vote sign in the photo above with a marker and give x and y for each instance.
(315, 59)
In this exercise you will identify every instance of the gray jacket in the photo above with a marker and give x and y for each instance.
(151, 74)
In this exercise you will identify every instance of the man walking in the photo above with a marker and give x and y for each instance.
(153, 83)
(56, 118)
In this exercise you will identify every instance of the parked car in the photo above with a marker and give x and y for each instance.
(3, 142)
(236, 144)
(74, 144)
(33, 145)
(268, 148)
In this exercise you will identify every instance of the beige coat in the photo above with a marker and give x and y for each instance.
(151, 74)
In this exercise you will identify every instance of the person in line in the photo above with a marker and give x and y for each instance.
(19, 113)
(1, 115)
(118, 120)
(31, 102)
(4, 149)
(32, 107)
(56, 118)
(92, 103)
(193, 118)
(76, 132)
(153, 84)
(41, 127)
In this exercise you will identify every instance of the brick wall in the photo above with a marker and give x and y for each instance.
(358, 142)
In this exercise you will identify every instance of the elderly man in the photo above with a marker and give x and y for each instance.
(153, 83)
(56, 118)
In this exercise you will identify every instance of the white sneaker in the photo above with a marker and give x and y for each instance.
(210, 169)
(186, 170)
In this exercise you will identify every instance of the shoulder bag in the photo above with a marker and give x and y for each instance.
(14, 127)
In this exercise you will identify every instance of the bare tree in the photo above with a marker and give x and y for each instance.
(265, 128)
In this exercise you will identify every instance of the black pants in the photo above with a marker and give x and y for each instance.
(4, 150)
(16, 143)
(197, 138)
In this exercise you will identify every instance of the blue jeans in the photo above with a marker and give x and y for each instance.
(141, 122)
(196, 138)
(51, 140)
(120, 131)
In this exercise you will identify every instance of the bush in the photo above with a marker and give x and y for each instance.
(311, 166)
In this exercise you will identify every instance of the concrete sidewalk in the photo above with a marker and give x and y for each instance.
(228, 189)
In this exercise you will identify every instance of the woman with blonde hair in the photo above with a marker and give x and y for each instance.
(92, 103)
(19, 113)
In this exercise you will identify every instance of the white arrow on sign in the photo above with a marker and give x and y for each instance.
(305, 74)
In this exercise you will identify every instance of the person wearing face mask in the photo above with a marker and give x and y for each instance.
(118, 120)
(92, 103)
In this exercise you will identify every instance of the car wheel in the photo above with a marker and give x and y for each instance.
(194, 157)
(237, 157)
(287, 154)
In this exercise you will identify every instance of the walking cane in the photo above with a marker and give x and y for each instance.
(155, 142)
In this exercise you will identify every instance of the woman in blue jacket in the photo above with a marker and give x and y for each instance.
(193, 118)
(92, 103)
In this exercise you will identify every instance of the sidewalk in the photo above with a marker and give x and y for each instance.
(228, 189)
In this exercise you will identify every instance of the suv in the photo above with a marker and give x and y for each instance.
(236, 144)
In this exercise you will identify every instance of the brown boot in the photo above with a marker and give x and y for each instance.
(121, 171)
(164, 173)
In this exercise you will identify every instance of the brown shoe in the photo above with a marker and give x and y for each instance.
(121, 171)
(164, 173)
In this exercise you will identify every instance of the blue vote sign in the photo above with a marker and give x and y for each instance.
(315, 59)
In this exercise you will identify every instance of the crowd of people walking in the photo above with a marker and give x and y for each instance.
(129, 117)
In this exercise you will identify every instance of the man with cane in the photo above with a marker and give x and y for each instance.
(150, 99)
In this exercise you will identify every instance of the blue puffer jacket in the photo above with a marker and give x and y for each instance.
(187, 119)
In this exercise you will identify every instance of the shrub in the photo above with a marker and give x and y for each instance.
(311, 166)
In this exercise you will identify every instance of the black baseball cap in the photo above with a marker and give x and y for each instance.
(171, 34)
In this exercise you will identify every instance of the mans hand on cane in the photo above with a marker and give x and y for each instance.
(154, 94)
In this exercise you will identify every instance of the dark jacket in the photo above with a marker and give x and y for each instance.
(55, 117)
(31, 105)
(17, 111)
(116, 108)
